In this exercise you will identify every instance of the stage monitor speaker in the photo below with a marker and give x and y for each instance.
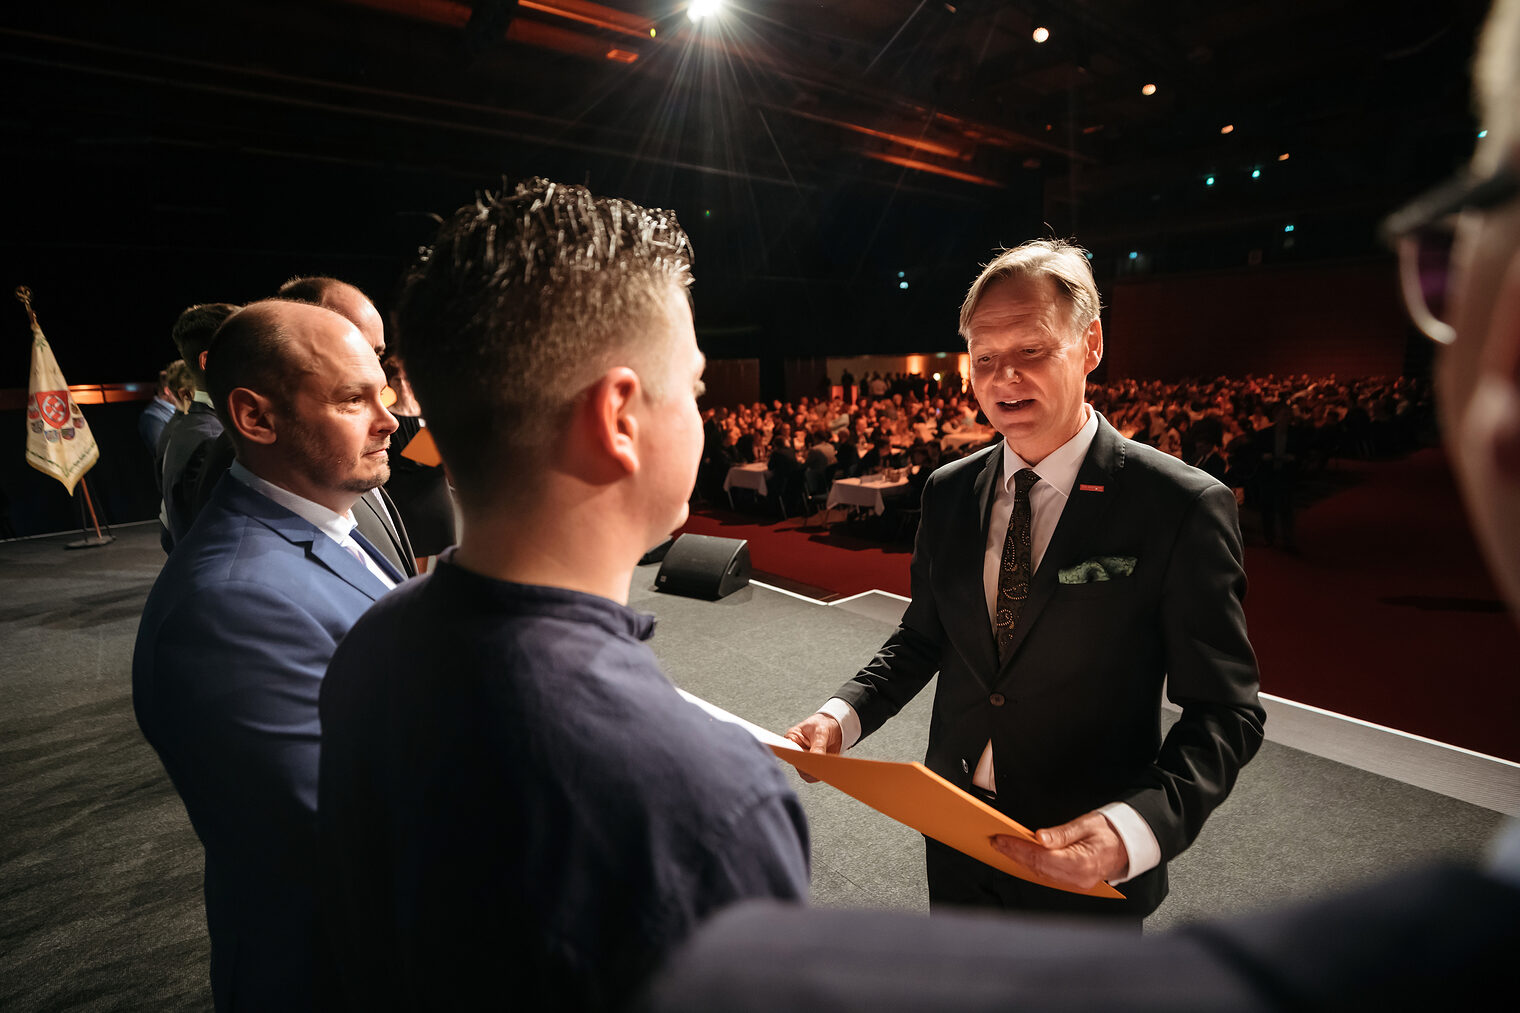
(700, 566)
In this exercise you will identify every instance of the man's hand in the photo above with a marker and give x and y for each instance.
(1082, 853)
(818, 734)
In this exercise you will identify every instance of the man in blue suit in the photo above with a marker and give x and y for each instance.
(240, 625)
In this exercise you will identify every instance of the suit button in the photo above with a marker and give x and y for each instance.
(996, 699)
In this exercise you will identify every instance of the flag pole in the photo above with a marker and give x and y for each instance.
(98, 539)
(49, 465)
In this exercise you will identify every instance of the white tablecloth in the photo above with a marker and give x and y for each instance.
(966, 437)
(863, 492)
(746, 476)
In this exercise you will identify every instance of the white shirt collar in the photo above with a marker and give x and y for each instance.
(203, 398)
(1058, 471)
(336, 526)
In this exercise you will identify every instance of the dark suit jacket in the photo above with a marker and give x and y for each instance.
(1074, 712)
(234, 641)
(384, 528)
(186, 440)
(1433, 939)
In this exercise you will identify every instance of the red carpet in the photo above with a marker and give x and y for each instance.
(1386, 613)
(832, 562)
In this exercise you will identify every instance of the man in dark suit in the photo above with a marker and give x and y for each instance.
(240, 625)
(1058, 579)
(1434, 938)
(186, 439)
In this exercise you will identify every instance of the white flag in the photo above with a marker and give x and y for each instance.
(58, 442)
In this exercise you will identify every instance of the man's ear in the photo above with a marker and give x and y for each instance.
(249, 412)
(1094, 342)
(610, 412)
(200, 361)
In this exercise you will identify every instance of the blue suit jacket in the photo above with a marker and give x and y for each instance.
(234, 641)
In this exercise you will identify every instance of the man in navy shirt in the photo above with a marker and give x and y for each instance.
(515, 804)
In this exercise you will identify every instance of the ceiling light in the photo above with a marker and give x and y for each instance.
(1287, 228)
(1148, 89)
(1482, 134)
(902, 284)
(1283, 157)
(1208, 181)
(1041, 34)
(700, 9)
(1228, 128)
(1256, 174)
(1134, 254)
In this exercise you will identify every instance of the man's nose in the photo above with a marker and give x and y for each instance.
(385, 422)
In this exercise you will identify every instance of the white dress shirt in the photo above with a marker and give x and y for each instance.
(338, 527)
(1047, 500)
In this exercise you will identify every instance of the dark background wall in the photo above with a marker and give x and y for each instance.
(1344, 319)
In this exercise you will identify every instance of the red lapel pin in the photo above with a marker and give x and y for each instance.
(1090, 488)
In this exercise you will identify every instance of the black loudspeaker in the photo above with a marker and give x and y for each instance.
(700, 566)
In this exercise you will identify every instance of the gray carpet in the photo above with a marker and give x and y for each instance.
(1295, 826)
(100, 904)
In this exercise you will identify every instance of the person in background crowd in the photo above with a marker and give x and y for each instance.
(420, 492)
(186, 440)
(150, 424)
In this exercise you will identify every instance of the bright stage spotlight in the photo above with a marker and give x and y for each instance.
(700, 9)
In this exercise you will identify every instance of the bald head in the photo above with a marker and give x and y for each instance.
(268, 346)
(343, 299)
(300, 391)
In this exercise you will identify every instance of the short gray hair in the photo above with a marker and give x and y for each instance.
(1062, 261)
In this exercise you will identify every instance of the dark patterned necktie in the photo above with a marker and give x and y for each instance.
(1013, 575)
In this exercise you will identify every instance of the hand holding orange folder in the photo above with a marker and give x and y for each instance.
(917, 797)
(914, 796)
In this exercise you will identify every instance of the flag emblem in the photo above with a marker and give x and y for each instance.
(54, 406)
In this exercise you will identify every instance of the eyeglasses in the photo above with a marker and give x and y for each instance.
(1423, 232)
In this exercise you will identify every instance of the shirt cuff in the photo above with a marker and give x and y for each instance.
(849, 721)
(1139, 840)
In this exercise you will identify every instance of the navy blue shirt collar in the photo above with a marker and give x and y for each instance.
(541, 599)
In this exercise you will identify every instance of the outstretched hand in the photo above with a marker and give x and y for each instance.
(1082, 853)
(819, 733)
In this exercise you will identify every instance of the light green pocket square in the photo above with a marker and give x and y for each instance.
(1098, 568)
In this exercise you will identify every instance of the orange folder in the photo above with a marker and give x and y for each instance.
(422, 449)
(917, 797)
(911, 794)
